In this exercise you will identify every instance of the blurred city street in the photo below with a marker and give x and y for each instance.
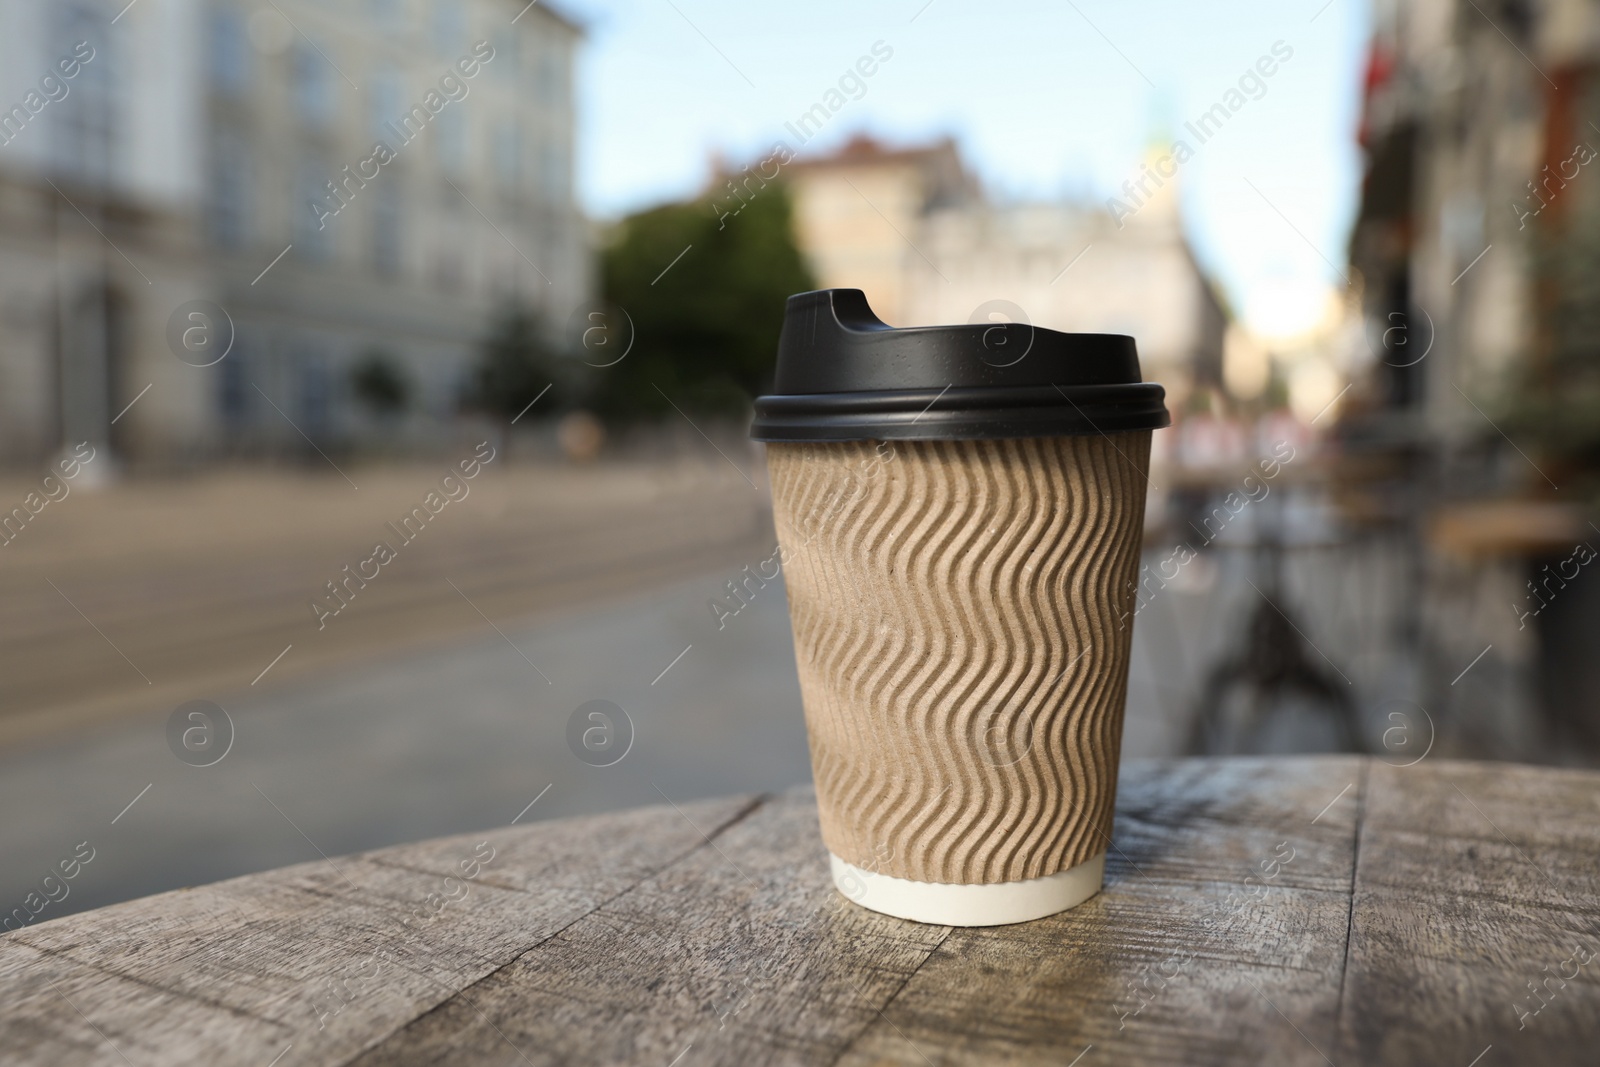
(598, 576)
(143, 595)
(461, 735)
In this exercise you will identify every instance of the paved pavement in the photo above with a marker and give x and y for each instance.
(459, 737)
(146, 593)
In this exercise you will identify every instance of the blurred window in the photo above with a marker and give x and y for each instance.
(450, 238)
(313, 228)
(553, 173)
(386, 96)
(315, 96)
(506, 267)
(507, 154)
(449, 27)
(462, 383)
(314, 392)
(552, 75)
(83, 129)
(235, 396)
(229, 50)
(504, 65)
(388, 213)
(448, 273)
(229, 200)
(388, 14)
(451, 140)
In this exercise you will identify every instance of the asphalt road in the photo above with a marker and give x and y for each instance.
(141, 595)
(462, 736)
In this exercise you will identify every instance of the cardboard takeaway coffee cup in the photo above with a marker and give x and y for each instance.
(959, 510)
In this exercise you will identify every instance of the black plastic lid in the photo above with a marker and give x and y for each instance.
(844, 375)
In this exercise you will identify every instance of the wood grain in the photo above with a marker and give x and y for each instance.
(329, 956)
(1472, 880)
(1284, 911)
(1177, 962)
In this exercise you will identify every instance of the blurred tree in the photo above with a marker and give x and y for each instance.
(516, 362)
(380, 384)
(1201, 401)
(1276, 395)
(707, 329)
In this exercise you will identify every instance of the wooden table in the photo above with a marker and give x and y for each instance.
(1281, 911)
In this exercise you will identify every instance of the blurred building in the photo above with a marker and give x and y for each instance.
(1478, 246)
(1478, 130)
(859, 210)
(912, 229)
(347, 183)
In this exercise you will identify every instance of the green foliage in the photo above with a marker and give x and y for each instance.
(706, 332)
(1199, 402)
(516, 362)
(1276, 395)
(380, 384)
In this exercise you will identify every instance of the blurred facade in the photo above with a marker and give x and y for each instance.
(913, 230)
(1478, 247)
(1454, 127)
(860, 210)
(303, 186)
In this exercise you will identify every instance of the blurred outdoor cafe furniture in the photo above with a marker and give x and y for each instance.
(1492, 529)
(1549, 544)
(1374, 583)
(1305, 910)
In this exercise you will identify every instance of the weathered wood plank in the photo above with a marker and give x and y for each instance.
(1473, 881)
(329, 956)
(745, 952)
(1178, 961)
(1293, 911)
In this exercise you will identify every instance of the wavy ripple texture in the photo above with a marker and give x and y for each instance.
(959, 629)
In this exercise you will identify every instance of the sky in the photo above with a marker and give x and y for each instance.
(1046, 100)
